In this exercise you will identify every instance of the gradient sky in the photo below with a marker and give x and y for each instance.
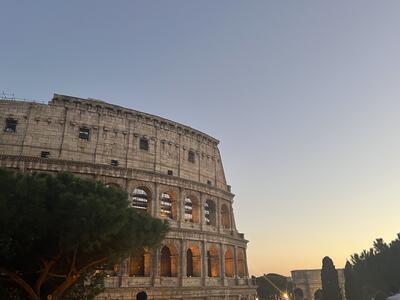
(304, 96)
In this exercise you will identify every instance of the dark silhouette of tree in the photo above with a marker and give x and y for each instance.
(330, 282)
(266, 291)
(54, 229)
(350, 285)
(376, 271)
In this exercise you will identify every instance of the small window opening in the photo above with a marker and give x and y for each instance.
(114, 163)
(44, 154)
(144, 144)
(191, 156)
(209, 182)
(169, 172)
(84, 133)
(11, 125)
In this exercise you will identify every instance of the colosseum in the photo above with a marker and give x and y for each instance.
(169, 170)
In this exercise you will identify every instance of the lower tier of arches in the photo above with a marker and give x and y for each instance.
(184, 260)
(186, 293)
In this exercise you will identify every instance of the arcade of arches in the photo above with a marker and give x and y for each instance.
(170, 261)
(168, 207)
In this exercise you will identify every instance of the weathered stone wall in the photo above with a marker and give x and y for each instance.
(114, 133)
(309, 281)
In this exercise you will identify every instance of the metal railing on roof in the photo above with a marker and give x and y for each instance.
(11, 97)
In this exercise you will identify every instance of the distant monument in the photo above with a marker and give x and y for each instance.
(309, 281)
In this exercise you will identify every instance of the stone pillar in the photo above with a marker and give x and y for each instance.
(180, 203)
(155, 266)
(231, 218)
(235, 262)
(124, 272)
(204, 271)
(222, 263)
(246, 269)
(201, 213)
(182, 267)
(218, 215)
(156, 201)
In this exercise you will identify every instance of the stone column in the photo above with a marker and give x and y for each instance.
(156, 201)
(204, 271)
(235, 262)
(231, 218)
(180, 203)
(201, 212)
(182, 270)
(155, 266)
(246, 270)
(218, 215)
(222, 263)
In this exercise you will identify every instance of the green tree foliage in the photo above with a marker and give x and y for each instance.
(56, 228)
(329, 279)
(350, 284)
(267, 291)
(375, 272)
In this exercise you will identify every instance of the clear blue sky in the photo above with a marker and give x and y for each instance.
(304, 96)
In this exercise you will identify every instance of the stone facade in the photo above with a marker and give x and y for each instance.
(168, 169)
(309, 281)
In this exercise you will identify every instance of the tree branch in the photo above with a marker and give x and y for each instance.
(22, 283)
(73, 277)
(44, 272)
(57, 275)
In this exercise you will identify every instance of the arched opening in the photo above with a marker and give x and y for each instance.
(141, 199)
(210, 212)
(169, 265)
(193, 262)
(241, 264)
(189, 263)
(298, 294)
(166, 262)
(167, 206)
(188, 210)
(318, 295)
(225, 219)
(229, 263)
(192, 210)
(140, 264)
(212, 262)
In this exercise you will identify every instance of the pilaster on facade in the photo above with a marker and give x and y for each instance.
(222, 263)
(235, 262)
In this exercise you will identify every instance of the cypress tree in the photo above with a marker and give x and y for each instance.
(330, 282)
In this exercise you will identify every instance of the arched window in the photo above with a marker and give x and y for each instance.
(225, 220)
(192, 211)
(166, 262)
(140, 264)
(166, 206)
(210, 213)
(193, 262)
(189, 263)
(169, 261)
(241, 264)
(188, 210)
(229, 265)
(212, 262)
(140, 199)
